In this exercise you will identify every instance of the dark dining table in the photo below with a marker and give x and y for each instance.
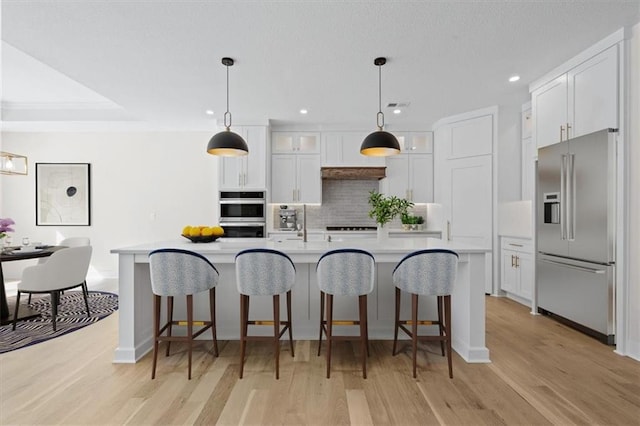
(14, 253)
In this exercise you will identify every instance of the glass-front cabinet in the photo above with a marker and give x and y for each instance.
(295, 143)
(415, 142)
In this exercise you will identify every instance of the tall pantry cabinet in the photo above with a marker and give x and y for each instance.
(463, 179)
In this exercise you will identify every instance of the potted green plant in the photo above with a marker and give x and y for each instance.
(411, 222)
(385, 209)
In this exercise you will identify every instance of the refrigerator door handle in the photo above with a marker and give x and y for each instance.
(579, 268)
(563, 197)
(571, 198)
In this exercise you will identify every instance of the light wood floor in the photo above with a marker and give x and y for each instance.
(542, 373)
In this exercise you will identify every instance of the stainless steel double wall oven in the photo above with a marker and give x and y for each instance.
(243, 214)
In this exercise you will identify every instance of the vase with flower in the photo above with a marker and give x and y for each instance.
(384, 209)
(5, 226)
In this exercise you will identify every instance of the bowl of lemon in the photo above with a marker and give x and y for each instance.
(202, 234)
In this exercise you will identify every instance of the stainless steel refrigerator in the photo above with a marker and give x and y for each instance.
(575, 229)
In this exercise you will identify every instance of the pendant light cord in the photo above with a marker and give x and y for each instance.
(380, 115)
(227, 114)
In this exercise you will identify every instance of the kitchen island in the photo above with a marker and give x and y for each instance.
(135, 336)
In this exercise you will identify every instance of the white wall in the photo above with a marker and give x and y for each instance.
(633, 325)
(144, 187)
(509, 152)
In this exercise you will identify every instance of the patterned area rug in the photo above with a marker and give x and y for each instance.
(72, 315)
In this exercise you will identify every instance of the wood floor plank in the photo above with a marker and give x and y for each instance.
(542, 372)
(358, 407)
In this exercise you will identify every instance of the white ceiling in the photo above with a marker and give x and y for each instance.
(157, 63)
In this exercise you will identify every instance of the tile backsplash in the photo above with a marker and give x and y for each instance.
(344, 203)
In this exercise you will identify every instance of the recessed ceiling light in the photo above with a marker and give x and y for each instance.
(514, 78)
(397, 111)
(303, 111)
(209, 112)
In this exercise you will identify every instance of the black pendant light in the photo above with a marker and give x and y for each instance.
(227, 143)
(380, 143)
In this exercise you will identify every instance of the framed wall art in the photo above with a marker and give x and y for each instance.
(63, 194)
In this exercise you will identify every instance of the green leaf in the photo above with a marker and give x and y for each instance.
(384, 209)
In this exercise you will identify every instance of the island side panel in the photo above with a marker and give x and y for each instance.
(134, 310)
(468, 312)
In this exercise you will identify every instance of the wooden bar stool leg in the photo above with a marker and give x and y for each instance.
(397, 321)
(243, 329)
(329, 331)
(190, 328)
(447, 319)
(322, 295)
(440, 326)
(414, 330)
(212, 310)
(289, 320)
(156, 328)
(366, 324)
(362, 308)
(169, 321)
(276, 332)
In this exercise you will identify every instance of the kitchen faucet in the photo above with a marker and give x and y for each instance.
(303, 234)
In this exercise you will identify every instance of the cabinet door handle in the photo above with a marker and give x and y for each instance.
(561, 133)
(515, 245)
(448, 230)
(512, 261)
(568, 127)
(245, 179)
(517, 261)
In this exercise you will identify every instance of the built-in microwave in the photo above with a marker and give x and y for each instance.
(242, 206)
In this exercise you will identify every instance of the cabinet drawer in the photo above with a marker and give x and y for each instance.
(517, 244)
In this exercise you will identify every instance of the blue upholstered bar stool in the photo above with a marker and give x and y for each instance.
(345, 272)
(264, 272)
(176, 272)
(430, 272)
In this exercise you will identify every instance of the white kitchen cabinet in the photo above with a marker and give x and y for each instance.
(593, 94)
(249, 171)
(295, 142)
(580, 101)
(296, 178)
(415, 142)
(549, 105)
(464, 181)
(464, 188)
(516, 276)
(343, 149)
(410, 176)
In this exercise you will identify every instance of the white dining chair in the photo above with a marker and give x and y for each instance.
(69, 242)
(66, 269)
